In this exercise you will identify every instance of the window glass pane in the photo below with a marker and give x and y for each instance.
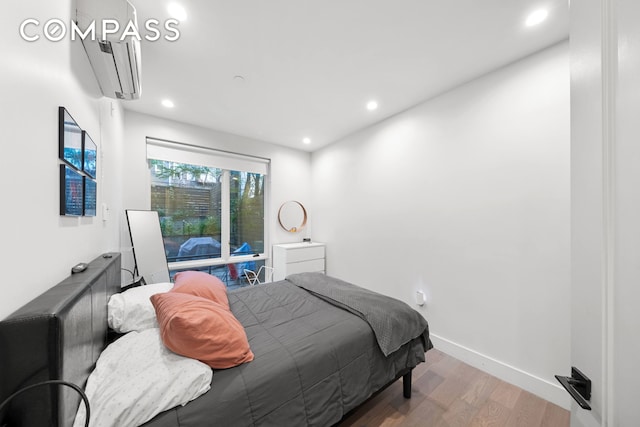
(247, 213)
(189, 204)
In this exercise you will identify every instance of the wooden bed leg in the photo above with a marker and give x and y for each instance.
(406, 385)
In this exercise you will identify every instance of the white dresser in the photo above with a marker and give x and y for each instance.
(290, 258)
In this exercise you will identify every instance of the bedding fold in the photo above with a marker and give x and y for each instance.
(393, 322)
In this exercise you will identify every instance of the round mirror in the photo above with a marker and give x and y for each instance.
(292, 216)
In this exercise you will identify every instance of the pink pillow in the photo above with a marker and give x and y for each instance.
(202, 285)
(201, 329)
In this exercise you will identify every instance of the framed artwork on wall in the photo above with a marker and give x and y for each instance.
(89, 155)
(90, 193)
(69, 139)
(78, 158)
(71, 191)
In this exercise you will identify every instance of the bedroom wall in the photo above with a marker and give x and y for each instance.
(465, 197)
(40, 246)
(290, 171)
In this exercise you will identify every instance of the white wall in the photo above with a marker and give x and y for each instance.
(465, 196)
(40, 246)
(290, 169)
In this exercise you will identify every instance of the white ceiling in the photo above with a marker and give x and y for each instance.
(310, 66)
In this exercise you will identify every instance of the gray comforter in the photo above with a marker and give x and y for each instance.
(393, 322)
(313, 363)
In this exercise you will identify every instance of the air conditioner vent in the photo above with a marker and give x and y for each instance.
(115, 59)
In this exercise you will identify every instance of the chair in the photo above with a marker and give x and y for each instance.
(254, 278)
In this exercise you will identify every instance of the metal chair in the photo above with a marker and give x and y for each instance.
(254, 278)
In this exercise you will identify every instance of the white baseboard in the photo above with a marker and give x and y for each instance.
(552, 392)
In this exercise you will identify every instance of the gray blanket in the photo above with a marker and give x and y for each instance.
(393, 322)
(314, 362)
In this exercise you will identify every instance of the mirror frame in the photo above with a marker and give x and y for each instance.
(147, 245)
(293, 229)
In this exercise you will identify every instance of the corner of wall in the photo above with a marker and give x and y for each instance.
(540, 387)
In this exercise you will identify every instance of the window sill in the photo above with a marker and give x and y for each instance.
(184, 265)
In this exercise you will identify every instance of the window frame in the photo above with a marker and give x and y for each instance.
(227, 162)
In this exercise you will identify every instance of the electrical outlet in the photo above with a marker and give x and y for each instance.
(420, 298)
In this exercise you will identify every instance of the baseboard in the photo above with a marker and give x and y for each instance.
(549, 391)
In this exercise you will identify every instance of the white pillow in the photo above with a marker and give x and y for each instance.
(132, 310)
(137, 377)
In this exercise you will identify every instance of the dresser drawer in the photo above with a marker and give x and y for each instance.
(305, 254)
(315, 265)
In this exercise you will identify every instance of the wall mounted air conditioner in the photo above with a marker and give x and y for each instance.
(114, 56)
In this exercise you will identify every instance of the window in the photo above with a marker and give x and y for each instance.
(211, 206)
(247, 212)
(189, 204)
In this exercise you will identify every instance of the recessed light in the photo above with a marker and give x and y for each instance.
(536, 17)
(177, 11)
(306, 140)
(372, 105)
(168, 103)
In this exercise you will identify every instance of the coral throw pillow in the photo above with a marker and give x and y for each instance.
(201, 329)
(203, 285)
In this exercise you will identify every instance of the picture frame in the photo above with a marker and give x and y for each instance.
(71, 191)
(69, 140)
(90, 197)
(89, 155)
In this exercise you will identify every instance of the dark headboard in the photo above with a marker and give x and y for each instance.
(58, 335)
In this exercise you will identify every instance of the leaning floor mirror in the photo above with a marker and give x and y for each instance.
(148, 246)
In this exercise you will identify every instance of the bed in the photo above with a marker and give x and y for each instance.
(315, 360)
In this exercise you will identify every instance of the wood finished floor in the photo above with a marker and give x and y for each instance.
(449, 393)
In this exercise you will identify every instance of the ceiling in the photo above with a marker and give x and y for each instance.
(308, 67)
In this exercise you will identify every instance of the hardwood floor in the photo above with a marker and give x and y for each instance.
(449, 393)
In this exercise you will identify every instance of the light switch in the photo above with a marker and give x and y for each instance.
(106, 212)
